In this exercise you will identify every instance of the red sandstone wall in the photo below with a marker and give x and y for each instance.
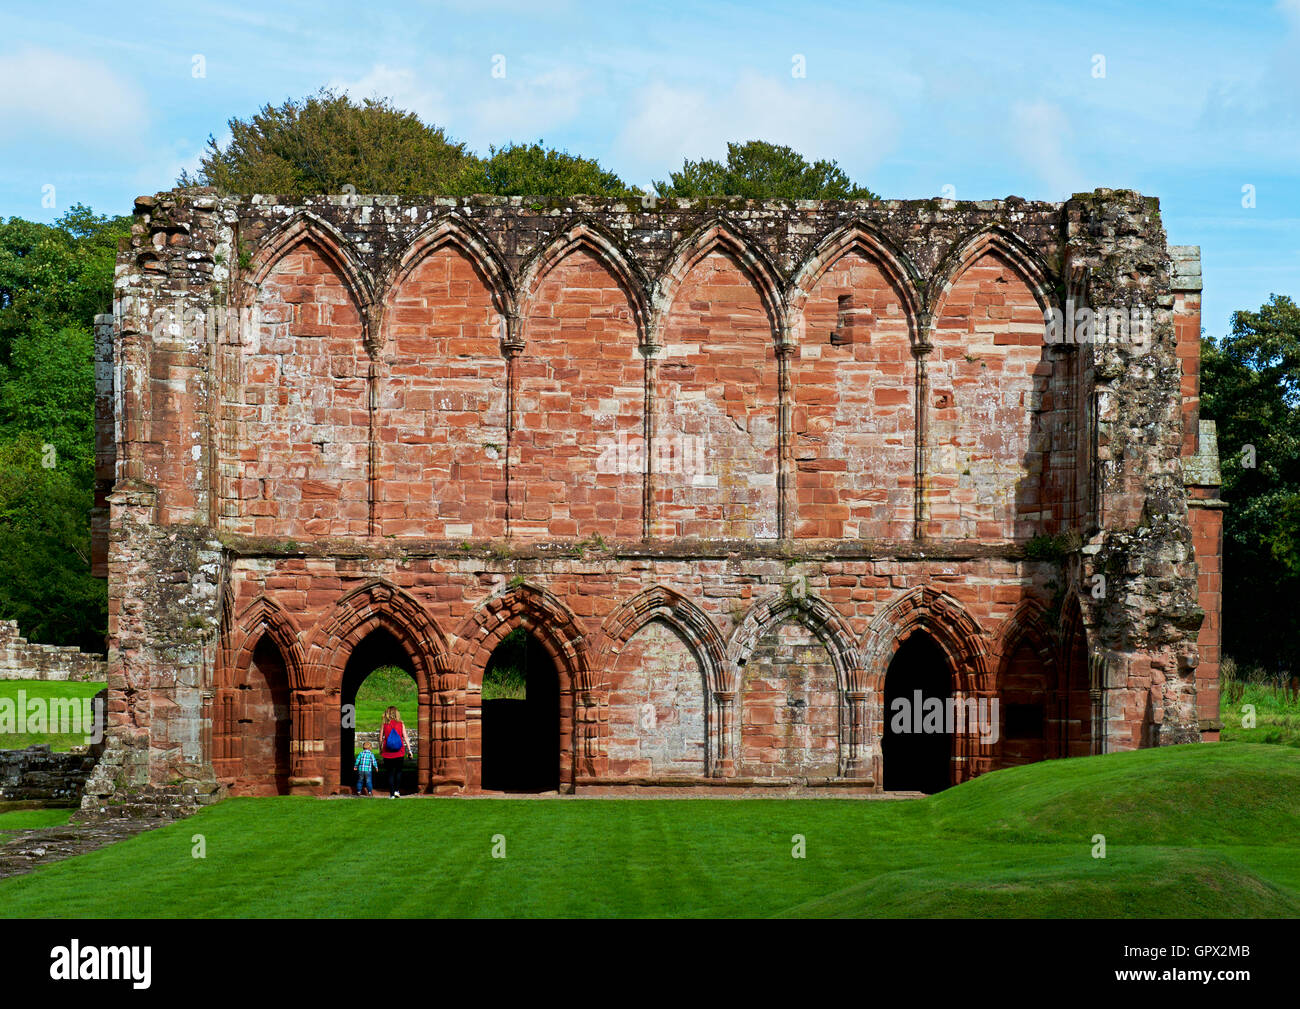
(1206, 521)
(1207, 541)
(441, 398)
(716, 405)
(789, 707)
(303, 417)
(986, 440)
(785, 721)
(657, 706)
(854, 420)
(579, 468)
(318, 439)
(1187, 332)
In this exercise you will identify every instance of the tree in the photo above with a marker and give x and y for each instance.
(533, 170)
(56, 275)
(1250, 385)
(758, 170)
(326, 142)
(45, 580)
(53, 280)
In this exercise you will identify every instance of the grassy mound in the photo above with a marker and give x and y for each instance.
(1194, 794)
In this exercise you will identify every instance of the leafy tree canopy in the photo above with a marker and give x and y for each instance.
(54, 278)
(758, 170)
(534, 170)
(1251, 387)
(56, 275)
(326, 142)
(45, 580)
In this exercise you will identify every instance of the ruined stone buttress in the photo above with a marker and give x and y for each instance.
(741, 482)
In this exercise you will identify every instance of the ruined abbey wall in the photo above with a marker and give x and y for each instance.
(721, 459)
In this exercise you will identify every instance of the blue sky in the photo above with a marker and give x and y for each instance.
(1196, 101)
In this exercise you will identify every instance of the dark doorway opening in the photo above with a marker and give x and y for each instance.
(265, 720)
(379, 673)
(521, 717)
(917, 748)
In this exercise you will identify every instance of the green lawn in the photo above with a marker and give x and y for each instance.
(387, 685)
(27, 816)
(1208, 830)
(46, 691)
(1277, 713)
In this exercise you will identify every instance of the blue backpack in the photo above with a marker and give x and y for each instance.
(393, 741)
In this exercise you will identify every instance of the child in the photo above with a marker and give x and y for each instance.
(365, 767)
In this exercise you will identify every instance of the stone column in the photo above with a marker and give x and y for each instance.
(785, 481)
(921, 351)
(512, 345)
(724, 763)
(649, 351)
(307, 742)
(853, 763)
(424, 744)
(447, 736)
(590, 714)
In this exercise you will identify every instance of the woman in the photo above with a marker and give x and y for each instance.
(393, 743)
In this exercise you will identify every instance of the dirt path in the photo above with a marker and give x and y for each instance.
(28, 850)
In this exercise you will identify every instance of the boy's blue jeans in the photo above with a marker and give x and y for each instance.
(364, 787)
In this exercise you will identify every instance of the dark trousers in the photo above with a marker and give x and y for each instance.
(393, 765)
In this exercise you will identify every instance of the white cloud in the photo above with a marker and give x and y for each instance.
(1041, 135)
(476, 107)
(671, 123)
(524, 110)
(64, 96)
(407, 91)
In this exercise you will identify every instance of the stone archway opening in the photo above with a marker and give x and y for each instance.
(521, 717)
(918, 739)
(379, 674)
(265, 721)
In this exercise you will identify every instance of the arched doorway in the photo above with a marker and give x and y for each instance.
(917, 743)
(379, 673)
(521, 717)
(1027, 702)
(263, 722)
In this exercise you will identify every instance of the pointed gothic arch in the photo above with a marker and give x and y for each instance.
(856, 236)
(1027, 624)
(377, 605)
(1081, 677)
(941, 616)
(702, 641)
(674, 609)
(1023, 258)
(263, 617)
(555, 628)
(584, 235)
(833, 632)
(1028, 681)
(305, 228)
(461, 234)
(537, 611)
(962, 643)
(814, 613)
(713, 236)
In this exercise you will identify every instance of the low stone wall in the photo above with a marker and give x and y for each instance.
(20, 659)
(39, 773)
(373, 739)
